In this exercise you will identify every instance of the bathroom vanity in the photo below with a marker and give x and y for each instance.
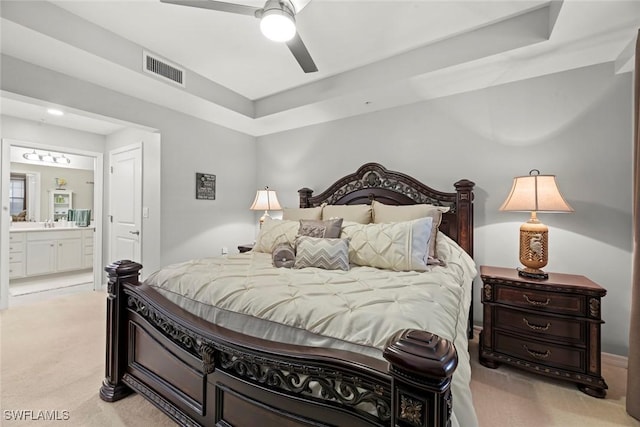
(36, 250)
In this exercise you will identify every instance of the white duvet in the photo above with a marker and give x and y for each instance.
(356, 310)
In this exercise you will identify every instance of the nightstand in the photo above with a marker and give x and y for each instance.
(245, 248)
(550, 327)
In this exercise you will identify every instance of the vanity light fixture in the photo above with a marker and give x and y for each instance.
(47, 158)
(62, 159)
(33, 156)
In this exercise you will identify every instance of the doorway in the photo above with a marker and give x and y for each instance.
(47, 248)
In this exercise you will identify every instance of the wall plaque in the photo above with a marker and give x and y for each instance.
(205, 186)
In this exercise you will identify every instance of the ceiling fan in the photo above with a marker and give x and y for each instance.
(277, 22)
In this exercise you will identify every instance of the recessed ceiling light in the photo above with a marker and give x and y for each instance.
(55, 112)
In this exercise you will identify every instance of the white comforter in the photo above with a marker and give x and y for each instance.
(356, 310)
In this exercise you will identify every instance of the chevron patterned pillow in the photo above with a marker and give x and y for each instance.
(330, 254)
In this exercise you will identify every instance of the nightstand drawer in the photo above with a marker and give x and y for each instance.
(539, 325)
(556, 356)
(541, 300)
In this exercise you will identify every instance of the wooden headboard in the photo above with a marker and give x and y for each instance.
(373, 182)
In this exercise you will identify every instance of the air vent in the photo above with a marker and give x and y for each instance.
(157, 66)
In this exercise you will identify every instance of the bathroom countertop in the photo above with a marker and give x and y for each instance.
(40, 227)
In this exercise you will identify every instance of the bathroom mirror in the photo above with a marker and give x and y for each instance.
(35, 179)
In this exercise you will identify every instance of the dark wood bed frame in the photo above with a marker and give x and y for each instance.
(200, 373)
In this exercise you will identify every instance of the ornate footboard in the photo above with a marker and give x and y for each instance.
(202, 374)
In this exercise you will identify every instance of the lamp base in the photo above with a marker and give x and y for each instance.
(532, 273)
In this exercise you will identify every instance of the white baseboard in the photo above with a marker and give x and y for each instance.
(615, 360)
(608, 358)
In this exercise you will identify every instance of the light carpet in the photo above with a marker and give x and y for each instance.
(52, 355)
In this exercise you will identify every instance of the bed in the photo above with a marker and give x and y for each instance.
(236, 341)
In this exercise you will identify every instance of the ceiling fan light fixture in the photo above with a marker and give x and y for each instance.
(278, 24)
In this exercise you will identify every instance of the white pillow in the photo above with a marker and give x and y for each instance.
(275, 232)
(355, 213)
(398, 246)
(302, 213)
(390, 213)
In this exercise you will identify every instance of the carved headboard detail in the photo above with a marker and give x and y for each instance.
(373, 182)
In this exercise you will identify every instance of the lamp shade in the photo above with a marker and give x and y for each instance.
(535, 193)
(266, 200)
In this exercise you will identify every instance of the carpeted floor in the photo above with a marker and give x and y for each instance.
(52, 358)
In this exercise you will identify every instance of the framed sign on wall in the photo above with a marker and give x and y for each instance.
(205, 186)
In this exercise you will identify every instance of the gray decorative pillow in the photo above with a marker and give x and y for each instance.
(314, 228)
(283, 256)
(330, 254)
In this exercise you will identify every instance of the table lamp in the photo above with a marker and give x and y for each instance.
(265, 200)
(534, 193)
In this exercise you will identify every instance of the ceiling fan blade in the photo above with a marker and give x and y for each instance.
(300, 52)
(217, 5)
(299, 4)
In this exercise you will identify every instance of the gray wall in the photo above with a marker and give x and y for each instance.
(189, 228)
(576, 125)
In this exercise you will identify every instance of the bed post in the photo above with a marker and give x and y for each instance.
(421, 366)
(305, 194)
(464, 211)
(120, 272)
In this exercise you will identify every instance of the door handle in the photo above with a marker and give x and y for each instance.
(137, 233)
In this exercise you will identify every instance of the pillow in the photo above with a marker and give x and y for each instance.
(283, 256)
(390, 213)
(302, 213)
(398, 246)
(274, 232)
(355, 213)
(330, 254)
(386, 213)
(330, 228)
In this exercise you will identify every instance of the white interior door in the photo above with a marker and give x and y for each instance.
(125, 203)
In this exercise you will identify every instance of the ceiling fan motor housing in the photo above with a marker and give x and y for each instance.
(277, 20)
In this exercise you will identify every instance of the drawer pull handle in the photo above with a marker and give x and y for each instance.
(537, 354)
(534, 302)
(534, 326)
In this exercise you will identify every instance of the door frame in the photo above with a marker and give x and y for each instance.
(98, 179)
(111, 153)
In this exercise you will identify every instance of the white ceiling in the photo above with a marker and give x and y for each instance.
(36, 110)
(371, 55)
